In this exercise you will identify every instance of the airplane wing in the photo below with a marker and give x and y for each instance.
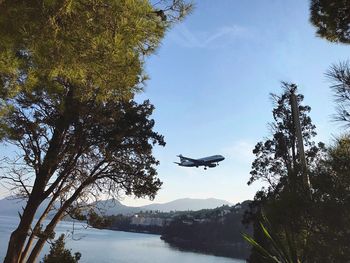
(190, 159)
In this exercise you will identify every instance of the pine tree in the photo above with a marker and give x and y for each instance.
(68, 73)
(59, 254)
(332, 20)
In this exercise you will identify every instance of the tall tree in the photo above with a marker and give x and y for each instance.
(277, 158)
(278, 164)
(332, 19)
(68, 72)
(304, 228)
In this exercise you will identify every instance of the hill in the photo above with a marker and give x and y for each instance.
(187, 204)
(11, 207)
(114, 207)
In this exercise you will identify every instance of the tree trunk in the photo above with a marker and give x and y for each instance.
(41, 242)
(46, 170)
(51, 226)
(37, 225)
(19, 236)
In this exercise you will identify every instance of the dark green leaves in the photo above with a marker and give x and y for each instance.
(332, 19)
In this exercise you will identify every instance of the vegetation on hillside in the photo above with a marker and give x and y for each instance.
(216, 231)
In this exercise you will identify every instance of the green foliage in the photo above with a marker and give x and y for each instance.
(339, 159)
(68, 73)
(277, 162)
(93, 45)
(277, 158)
(120, 222)
(59, 254)
(216, 231)
(278, 251)
(97, 221)
(332, 20)
(106, 143)
(340, 76)
(306, 228)
(330, 209)
(96, 149)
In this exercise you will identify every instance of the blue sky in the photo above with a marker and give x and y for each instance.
(210, 84)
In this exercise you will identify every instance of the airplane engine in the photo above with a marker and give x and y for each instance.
(211, 165)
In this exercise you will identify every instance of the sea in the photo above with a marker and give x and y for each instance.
(108, 246)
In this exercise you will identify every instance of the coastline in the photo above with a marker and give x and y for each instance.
(230, 250)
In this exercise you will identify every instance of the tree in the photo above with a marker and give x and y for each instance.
(340, 76)
(277, 159)
(68, 73)
(59, 254)
(278, 251)
(332, 20)
(97, 221)
(93, 45)
(107, 152)
(301, 229)
(330, 211)
(278, 164)
(328, 235)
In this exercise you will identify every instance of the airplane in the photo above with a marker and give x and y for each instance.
(210, 161)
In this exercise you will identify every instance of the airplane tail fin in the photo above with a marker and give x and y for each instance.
(181, 157)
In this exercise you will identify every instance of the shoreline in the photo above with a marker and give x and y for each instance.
(229, 250)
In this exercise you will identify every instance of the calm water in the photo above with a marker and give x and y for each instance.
(106, 246)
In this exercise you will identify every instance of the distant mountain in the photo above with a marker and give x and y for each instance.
(10, 207)
(187, 204)
(113, 207)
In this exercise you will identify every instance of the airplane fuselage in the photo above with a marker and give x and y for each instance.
(210, 161)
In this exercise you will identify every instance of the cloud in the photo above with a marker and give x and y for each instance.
(220, 37)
